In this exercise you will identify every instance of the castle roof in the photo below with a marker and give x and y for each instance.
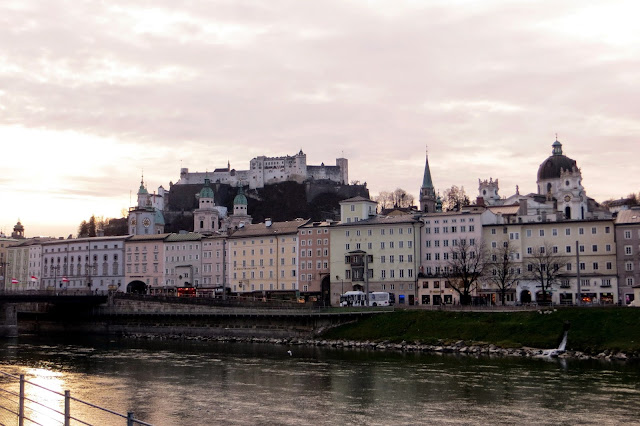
(552, 166)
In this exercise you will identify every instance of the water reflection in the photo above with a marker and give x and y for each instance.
(188, 383)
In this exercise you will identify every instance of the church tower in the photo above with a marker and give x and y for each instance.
(427, 192)
(240, 215)
(144, 218)
(206, 216)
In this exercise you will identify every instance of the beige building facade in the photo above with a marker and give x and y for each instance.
(583, 252)
(263, 258)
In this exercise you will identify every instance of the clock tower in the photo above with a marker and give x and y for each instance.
(145, 218)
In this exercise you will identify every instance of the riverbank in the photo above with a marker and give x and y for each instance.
(459, 347)
(592, 331)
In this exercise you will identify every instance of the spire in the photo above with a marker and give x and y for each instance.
(426, 181)
(427, 192)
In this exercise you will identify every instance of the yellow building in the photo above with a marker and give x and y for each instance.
(374, 253)
(263, 258)
(582, 251)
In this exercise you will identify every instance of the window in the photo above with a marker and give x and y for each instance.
(528, 232)
(628, 250)
(554, 232)
(583, 266)
(567, 231)
(542, 232)
(627, 235)
(493, 231)
(567, 249)
(581, 231)
(594, 248)
(595, 266)
(607, 247)
(609, 265)
(594, 230)
(529, 250)
(628, 266)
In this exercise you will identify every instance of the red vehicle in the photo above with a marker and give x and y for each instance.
(186, 292)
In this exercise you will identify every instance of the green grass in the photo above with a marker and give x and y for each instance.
(591, 329)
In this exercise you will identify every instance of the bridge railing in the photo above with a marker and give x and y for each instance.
(24, 402)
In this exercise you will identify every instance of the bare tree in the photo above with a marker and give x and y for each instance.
(402, 198)
(454, 199)
(504, 272)
(465, 266)
(398, 198)
(544, 266)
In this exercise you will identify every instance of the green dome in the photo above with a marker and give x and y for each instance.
(142, 189)
(206, 191)
(240, 198)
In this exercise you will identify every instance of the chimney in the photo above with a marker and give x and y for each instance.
(267, 222)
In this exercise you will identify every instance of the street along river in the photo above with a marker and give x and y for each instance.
(199, 383)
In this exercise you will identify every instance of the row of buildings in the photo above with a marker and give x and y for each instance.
(415, 254)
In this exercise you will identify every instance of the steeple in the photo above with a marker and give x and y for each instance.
(426, 180)
(427, 192)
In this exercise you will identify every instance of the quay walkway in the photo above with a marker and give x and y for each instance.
(24, 402)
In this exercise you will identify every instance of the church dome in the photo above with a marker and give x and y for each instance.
(206, 191)
(240, 198)
(551, 167)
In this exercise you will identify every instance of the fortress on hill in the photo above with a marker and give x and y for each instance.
(269, 170)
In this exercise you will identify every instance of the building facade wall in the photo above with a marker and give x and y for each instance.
(596, 249)
(86, 264)
(440, 235)
(391, 247)
(263, 263)
(314, 250)
(145, 260)
(628, 260)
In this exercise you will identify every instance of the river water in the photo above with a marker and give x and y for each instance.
(202, 383)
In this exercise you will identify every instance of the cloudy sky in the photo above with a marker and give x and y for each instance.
(92, 93)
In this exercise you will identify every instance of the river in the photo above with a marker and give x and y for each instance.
(201, 383)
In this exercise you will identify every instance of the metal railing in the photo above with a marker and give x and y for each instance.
(19, 407)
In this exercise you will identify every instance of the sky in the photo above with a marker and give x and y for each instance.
(93, 94)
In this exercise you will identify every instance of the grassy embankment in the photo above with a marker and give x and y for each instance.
(591, 329)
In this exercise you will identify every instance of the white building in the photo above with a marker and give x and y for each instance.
(86, 264)
(267, 170)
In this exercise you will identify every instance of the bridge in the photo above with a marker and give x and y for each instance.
(118, 313)
(9, 302)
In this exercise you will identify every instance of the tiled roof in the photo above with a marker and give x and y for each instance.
(260, 229)
(383, 220)
(512, 209)
(628, 216)
(190, 236)
(148, 237)
(358, 198)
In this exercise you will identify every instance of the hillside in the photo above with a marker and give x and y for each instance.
(280, 202)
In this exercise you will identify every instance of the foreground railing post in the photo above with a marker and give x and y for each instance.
(130, 418)
(21, 402)
(67, 408)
